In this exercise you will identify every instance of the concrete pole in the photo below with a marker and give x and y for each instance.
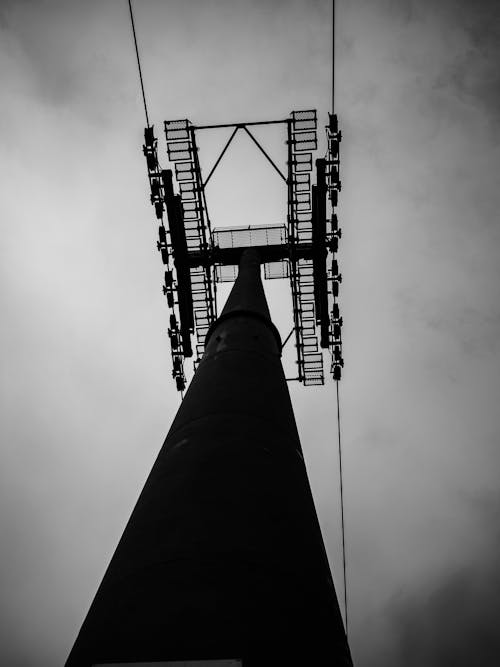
(223, 556)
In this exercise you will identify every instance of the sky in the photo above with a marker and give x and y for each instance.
(86, 392)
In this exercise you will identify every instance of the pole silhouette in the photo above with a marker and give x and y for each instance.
(223, 557)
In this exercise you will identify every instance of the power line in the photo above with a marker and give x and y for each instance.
(342, 508)
(333, 56)
(341, 478)
(138, 61)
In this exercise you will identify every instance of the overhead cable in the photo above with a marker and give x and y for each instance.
(138, 61)
(341, 478)
(333, 56)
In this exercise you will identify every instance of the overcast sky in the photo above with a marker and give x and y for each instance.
(86, 392)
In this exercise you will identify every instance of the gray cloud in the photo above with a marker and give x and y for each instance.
(471, 34)
(455, 624)
(66, 55)
(86, 392)
(451, 617)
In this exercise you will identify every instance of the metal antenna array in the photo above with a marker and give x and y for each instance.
(304, 250)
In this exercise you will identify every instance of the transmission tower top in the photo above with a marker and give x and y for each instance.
(303, 249)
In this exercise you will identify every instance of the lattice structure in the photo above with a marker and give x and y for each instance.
(334, 233)
(180, 345)
(304, 250)
(183, 154)
(302, 140)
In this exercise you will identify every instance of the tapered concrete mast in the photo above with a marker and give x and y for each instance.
(223, 556)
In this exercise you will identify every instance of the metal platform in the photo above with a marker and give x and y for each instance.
(304, 250)
(270, 240)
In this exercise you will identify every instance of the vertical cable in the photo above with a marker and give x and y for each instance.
(342, 509)
(138, 61)
(333, 56)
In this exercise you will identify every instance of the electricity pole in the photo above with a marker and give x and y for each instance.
(222, 561)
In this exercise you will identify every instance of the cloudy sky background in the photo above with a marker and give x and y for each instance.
(86, 393)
